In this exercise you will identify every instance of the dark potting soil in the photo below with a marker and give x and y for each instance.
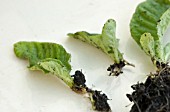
(116, 68)
(154, 94)
(79, 79)
(99, 99)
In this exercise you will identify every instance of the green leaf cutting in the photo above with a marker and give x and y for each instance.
(53, 58)
(148, 25)
(107, 42)
(36, 51)
(48, 57)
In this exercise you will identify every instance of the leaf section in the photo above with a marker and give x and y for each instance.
(47, 57)
(106, 41)
(151, 17)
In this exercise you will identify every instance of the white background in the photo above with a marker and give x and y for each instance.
(22, 90)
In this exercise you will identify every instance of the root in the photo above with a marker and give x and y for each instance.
(154, 94)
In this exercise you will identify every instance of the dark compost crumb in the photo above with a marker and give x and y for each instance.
(154, 94)
(79, 82)
(116, 68)
(100, 101)
(79, 79)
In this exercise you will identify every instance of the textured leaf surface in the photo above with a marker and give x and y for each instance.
(48, 57)
(106, 41)
(36, 51)
(147, 43)
(56, 67)
(151, 16)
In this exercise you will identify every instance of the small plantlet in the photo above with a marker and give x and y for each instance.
(53, 58)
(148, 24)
(108, 43)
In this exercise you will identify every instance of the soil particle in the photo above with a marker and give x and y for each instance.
(116, 68)
(79, 82)
(100, 101)
(79, 79)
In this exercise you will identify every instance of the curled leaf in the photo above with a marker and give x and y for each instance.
(57, 68)
(48, 57)
(36, 51)
(107, 42)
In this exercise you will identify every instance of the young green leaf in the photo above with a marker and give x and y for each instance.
(57, 68)
(167, 52)
(151, 16)
(48, 57)
(37, 51)
(148, 18)
(107, 42)
(148, 44)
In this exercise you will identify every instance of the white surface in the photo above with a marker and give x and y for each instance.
(22, 90)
